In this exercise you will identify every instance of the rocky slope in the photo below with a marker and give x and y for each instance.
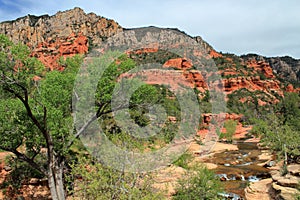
(73, 31)
(286, 68)
(32, 30)
(245, 78)
(63, 34)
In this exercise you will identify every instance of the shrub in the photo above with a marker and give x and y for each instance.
(199, 183)
(281, 138)
(230, 126)
(184, 160)
(94, 181)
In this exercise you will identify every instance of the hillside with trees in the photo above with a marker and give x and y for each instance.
(43, 139)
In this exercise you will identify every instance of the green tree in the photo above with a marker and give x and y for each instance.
(289, 108)
(230, 126)
(280, 137)
(37, 114)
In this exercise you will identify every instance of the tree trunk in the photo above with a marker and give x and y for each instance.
(55, 180)
(285, 155)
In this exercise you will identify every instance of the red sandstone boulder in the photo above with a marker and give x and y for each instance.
(178, 63)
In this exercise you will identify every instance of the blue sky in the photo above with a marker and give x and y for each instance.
(266, 27)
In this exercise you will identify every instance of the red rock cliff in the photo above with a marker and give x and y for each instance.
(63, 34)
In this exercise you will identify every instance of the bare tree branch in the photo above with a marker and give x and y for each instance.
(26, 159)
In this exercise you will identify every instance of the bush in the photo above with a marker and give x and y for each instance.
(199, 183)
(92, 180)
(230, 126)
(281, 138)
(184, 160)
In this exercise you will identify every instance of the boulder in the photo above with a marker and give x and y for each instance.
(285, 193)
(259, 190)
(285, 181)
(178, 63)
(294, 169)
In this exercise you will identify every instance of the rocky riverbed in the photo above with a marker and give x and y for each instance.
(249, 171)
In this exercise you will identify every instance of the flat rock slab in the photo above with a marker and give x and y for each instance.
(221, 147)
(285, 193)
(259, 190)
(294, 169)
(285, 181)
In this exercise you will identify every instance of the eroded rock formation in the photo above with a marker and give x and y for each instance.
(32, 30)
(63, 34)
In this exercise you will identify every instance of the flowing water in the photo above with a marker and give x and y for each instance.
(237, 168)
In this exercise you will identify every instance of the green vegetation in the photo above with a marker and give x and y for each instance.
(21, 172)
(280, 129)
(234, 63)
(36, 122)
(250, 107)
(184, 160)
(36, 125)
(198, 183)
(35, 116)
(204, 103)
(230, 126)
(161, 56)
(94, 181)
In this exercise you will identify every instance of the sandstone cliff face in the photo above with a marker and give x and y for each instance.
(71, 32)
(251, 74)
(184, 74)
(50, 51)
(63, 34)
(262, 67)
(252, 84)
(287, 68)
(32, 30)
(191, 78)
(178, 63)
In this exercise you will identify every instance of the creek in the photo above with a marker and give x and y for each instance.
(236, 169)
